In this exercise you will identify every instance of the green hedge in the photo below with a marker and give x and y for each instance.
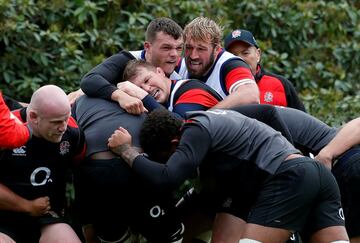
(313, 43)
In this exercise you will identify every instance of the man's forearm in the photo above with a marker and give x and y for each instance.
(127, 152)
(244, 94)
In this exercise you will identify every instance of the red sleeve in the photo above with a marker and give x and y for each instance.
(235, 72)
(239, 75)
(198, 96)
(13, 133)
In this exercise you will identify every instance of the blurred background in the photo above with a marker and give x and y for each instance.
(315, 44)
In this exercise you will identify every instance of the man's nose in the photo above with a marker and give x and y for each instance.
(62, 127)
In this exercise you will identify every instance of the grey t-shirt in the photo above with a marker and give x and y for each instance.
(222, 132)
(307, 131)
(99, 118)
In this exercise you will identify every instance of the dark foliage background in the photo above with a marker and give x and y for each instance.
(315, 44)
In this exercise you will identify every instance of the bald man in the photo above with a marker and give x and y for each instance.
(13, 133)
(32, 177)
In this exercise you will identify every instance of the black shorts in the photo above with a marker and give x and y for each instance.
(302, 196)
(230, 190)
(100, 189)
(237, 189)
(26, 229)
(347, 174)
(113, 198)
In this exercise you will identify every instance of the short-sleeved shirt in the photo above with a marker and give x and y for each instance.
(227, 72)
(38, 168)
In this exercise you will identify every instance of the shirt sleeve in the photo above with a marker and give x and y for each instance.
(194, 100)
(194, 95)
(13, 133)
(150, 103)
(235, 74)
(183, 163)
(101, 81)
(79, 142)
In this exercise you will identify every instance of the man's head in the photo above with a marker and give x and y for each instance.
(242, 43)
(202, 38)
(163, 44)
(48, 113)
(151, 79)
(160, 134)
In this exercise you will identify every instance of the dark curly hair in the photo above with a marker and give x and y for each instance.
(159, 128)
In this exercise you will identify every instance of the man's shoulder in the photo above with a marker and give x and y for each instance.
(72, 123)
(123, 54)
(73, 132)
(229, 62)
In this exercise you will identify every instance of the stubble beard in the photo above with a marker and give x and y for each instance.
(201, 73)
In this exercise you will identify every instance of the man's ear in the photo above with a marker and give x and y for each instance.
(174, 144)
(218, 48)
(160, 71)
(259, 55)
(33, 117)
(147, 45)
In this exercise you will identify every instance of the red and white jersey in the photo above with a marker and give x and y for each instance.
(227, 73)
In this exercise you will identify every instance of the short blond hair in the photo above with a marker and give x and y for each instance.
(202, 28)
(133, 67)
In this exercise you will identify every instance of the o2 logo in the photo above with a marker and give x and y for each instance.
(40, 176)
(156, 212)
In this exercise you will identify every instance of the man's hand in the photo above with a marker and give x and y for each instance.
(74, 95)
(119, 137)
(39, 206)
(131, 105)
(120, 143)
(132, 90)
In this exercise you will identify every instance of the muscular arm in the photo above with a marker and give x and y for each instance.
(244, 94)
(180, 166)
(127, 153)
(10, 201)
(101, 80)
(237, 79)
(347, 137)
(13, 133)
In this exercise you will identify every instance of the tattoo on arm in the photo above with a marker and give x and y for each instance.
(127, 152)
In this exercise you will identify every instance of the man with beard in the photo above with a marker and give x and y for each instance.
(162, 47)
(150, 84)
(207, 61)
